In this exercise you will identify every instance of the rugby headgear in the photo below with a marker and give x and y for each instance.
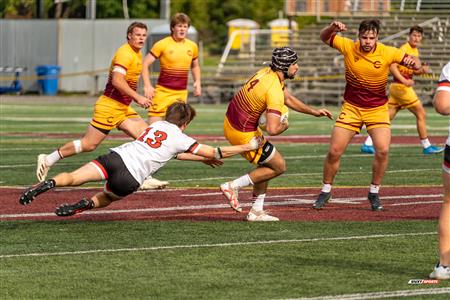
(283, 58)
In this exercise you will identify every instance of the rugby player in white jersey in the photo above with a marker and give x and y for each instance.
(127, 166)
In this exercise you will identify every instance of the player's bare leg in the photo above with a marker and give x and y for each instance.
(340, 138)
(421, 124)
(89, 142)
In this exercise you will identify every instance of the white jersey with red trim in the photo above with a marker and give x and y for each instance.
(159, 143)
(444, 85)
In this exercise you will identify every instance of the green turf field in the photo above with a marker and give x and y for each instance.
(212, 260)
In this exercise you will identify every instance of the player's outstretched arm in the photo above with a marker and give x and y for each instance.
(299, 106)
(210, 152)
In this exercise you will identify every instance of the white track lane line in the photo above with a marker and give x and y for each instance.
(218, 245)
(381, 295)
(287, 202)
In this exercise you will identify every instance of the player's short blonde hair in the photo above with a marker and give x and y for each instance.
(179, 18)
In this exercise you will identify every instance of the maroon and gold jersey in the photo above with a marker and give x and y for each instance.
(264, 91)
(406, 72)
(128, 62)
(366, 74)
(175, 61)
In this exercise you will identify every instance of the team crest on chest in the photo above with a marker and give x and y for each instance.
(189, 52)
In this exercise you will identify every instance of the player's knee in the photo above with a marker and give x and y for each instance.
(382, 152)
(334, 154)
(281, 167)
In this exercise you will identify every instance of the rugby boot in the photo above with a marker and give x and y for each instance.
(440, 272)
(322, 199)
(367, 149)
(66, 210)
(232, 196)
(42, 168)
(374, 200)
(432, 150)
(28, 196)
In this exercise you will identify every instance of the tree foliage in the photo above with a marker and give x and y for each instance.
(209, 17)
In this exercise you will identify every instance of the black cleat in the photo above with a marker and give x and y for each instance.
(374, 200)
(66, 210)
(28, 196)
(322, 200)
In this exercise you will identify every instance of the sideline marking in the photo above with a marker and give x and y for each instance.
(194, 246)
(380, 295)
(289, 201)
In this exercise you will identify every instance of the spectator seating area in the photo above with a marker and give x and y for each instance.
(321, 67)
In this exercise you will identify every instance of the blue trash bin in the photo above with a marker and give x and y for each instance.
(49, 84)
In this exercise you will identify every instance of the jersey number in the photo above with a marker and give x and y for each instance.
(252, 84)
(159, 136)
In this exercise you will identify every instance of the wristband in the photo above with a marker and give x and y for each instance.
(218, 153)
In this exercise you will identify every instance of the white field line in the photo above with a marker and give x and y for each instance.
(195, 246)
(438, 168)
(286, 202)
(195, 195)
(381, 295)
(87, 119)
(50, 119)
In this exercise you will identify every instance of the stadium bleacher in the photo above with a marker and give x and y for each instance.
(321, 69)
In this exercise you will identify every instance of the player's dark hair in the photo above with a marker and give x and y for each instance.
(180, 113)
(416, 28)
(179, 18)
(369, 25)
(134, 25)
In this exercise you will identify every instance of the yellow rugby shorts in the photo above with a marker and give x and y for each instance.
(353, 117)
(163, 98)
(236, 137)
(109, 113)
(401, 96)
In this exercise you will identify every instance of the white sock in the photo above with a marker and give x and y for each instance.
(326, 188)
(374, 189)
(241, 182)
(425, 143)
(52, 158)
(258, 202)
(368, 141)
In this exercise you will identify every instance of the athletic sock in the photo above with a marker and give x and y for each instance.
(368, 141)
(374, 189)
(326, 188)
(241, 182)
(258, 202)
(52, 158)
(425, 143)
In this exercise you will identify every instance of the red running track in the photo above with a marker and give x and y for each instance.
(206, 204)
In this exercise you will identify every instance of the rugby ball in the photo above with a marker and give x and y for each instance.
(283, 119)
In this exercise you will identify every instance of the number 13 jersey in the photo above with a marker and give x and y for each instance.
(159, 143)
